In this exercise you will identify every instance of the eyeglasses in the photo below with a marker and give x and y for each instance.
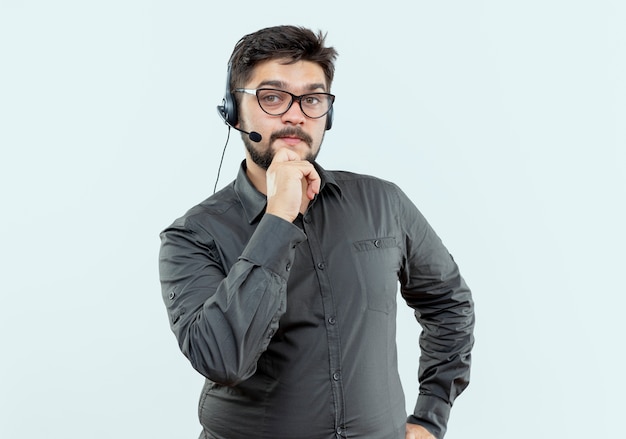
(278, 102)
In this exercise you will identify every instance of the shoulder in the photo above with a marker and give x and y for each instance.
(353, 179)
(360, 186)
(214, 208)
(371, 192)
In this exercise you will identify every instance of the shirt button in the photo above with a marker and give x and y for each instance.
(307, 219)
(339, 431)
(377, 243)
(336, 376)
(171, 295)
(321, 265)
(332, 320)
(288, 267)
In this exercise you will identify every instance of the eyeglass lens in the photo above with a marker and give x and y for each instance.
(277, 102)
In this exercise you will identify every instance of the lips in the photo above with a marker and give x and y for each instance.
(291, 140)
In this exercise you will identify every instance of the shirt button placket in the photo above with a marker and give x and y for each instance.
(331, 324)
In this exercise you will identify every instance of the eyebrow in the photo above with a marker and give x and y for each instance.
(282, 85)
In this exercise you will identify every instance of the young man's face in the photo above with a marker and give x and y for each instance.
(293, 129)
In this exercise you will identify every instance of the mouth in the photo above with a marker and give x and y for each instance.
(291, 140)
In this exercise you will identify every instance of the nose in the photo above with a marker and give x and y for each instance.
(294, 116)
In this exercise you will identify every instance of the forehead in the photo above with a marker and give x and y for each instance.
(301, 75)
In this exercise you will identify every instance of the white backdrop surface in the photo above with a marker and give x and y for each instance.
(505, 121)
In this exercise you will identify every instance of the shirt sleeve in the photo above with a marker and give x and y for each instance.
(224, 321)
(432, 285)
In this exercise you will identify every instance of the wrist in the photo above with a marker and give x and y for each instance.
(281, 214)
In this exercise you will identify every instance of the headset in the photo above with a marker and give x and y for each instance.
(228, 110)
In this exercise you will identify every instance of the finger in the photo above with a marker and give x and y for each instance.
(285, 155)
(314, 182)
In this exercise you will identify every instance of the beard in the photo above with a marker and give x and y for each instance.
(263, 158)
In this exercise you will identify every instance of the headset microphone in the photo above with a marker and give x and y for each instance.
(253, 135)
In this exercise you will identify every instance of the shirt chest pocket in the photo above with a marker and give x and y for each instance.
(377, 262)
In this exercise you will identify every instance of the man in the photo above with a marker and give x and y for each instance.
(281, 287)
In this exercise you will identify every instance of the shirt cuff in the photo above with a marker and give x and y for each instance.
(273, 245)
(432, 413)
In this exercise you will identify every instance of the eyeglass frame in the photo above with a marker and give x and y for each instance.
(254, 91)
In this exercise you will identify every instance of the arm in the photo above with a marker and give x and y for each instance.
(432, 285)
(224, 321)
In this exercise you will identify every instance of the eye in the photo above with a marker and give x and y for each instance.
(271, 97)
(311, 100)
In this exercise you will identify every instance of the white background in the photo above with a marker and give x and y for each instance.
(505, 121)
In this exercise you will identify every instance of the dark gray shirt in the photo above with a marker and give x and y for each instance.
(294, 324)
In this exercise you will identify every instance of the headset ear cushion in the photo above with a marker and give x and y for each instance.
(230, 109)
(229, 103)
(329, 119)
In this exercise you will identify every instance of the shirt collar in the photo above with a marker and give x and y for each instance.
(254, 202)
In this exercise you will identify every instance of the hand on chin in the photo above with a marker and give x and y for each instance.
(296, 145)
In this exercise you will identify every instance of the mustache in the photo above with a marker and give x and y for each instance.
(292, 132)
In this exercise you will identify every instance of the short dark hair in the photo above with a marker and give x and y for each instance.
(292, 43)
